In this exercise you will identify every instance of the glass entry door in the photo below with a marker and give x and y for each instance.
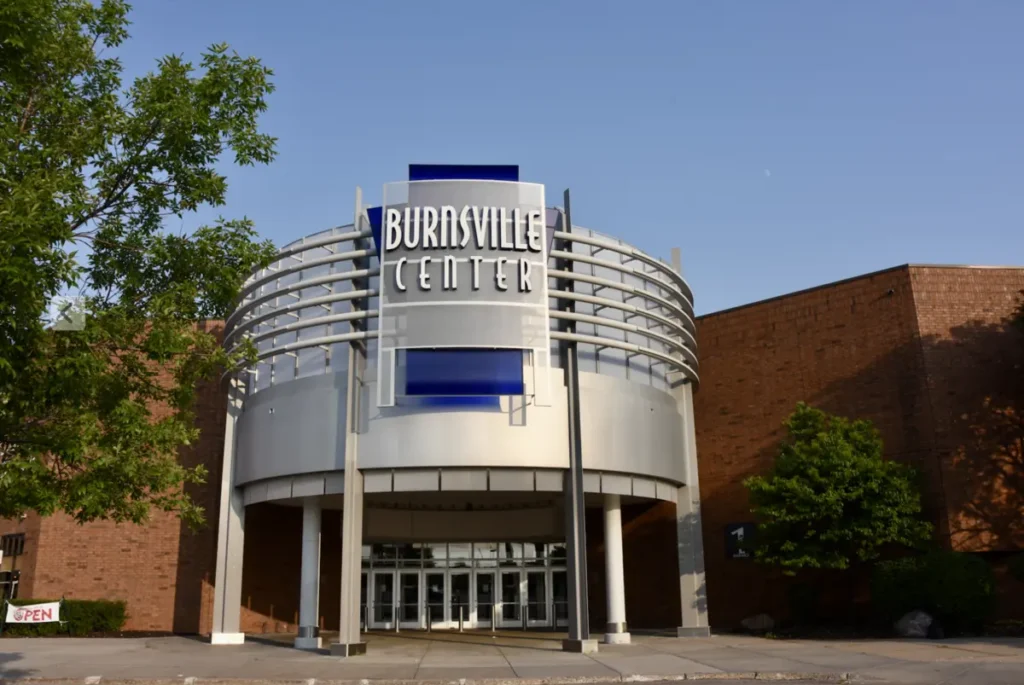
(458, 598)
(433, 583)
(382, 611)
(485, 599)
(409, 599)
(560, 598)
(537, 598)
(510, 613)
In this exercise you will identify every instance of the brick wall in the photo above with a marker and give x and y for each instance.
(163, 570)
(974, 370)
(923, 352)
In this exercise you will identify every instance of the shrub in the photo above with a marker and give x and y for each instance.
(957, 589)
(80, 616)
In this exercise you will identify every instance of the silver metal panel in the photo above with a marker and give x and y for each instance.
(616, 485)
(592, 482)
(255, 493)
(518, 481)
(280, 488)
(418, 481)
(308, 486)
(667, 492)
(550, 481)
(464, 480)
(293, 428)
(645, 488)
(630, 428)
(377, 481)
(334, 483)
(420, 437)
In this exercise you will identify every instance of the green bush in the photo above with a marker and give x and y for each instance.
(79, 616)
(957, 589)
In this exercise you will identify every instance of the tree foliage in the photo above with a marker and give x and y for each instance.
(831, 499)
(92, 420)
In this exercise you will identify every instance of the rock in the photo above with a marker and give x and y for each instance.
(913, 624)
(761, 623)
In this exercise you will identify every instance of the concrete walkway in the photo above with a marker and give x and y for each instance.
(525, 657)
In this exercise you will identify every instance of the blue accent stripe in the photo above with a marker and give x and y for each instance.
(376, 217)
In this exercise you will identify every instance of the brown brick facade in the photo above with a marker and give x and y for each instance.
(926, 353)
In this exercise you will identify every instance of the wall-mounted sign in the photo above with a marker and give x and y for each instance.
(464, 265)
(738, 538)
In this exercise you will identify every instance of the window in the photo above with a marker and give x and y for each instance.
(13, 545)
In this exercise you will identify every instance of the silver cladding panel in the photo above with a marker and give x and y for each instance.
(627, 428)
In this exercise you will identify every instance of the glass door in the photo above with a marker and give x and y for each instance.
(409, 599)
(537, 613)
(458, 598)
(509, 611)
(485, 599)
(433, 583)
(560, 597)
(382, 611)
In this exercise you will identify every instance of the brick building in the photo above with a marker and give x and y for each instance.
(927, 353)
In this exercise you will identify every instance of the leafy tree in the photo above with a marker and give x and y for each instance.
(830, 498)
(92, 420)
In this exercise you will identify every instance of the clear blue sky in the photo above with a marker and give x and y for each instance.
(780, 144)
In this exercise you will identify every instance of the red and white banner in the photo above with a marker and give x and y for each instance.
(34, 613)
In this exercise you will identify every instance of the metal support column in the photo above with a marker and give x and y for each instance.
(349, 642)
(575, 514)
(689, 541)
(309, 589)
(227, 592)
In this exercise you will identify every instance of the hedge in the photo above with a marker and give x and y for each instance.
(956, 588)
(80, 616)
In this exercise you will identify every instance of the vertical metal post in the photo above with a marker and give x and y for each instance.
(460, 618)
(494, 616)
(430, 623)
(349, 642)
(575, 512)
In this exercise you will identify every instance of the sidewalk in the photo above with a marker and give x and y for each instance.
(523, 657)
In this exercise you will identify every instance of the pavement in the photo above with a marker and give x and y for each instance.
(484, 658)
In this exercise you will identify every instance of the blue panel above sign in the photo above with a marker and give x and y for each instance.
(464, 172)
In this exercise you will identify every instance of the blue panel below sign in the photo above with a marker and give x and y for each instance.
(464, 372)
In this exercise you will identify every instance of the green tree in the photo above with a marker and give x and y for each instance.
(92, 420)
(831, 499)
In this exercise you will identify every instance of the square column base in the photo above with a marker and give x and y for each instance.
(579, 646)
(343, 649)
(227, 638)
(308, 643)
(693, 632)
(616, 638)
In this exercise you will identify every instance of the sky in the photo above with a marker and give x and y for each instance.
(781, 145)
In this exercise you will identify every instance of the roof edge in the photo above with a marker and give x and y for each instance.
(842, 281)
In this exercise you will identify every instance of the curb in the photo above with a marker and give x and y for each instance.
(574, 680)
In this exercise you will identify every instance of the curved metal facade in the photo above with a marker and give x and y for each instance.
(632, 320)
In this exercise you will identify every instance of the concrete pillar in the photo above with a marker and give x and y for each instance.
(227, 593)
(615, 632)
(690, 542)
(349, 642)
(309, 590)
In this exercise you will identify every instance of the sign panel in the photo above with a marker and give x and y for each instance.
(48, 612)
(463, 265)
(738, 538)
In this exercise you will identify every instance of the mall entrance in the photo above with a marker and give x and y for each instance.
(453, 586)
